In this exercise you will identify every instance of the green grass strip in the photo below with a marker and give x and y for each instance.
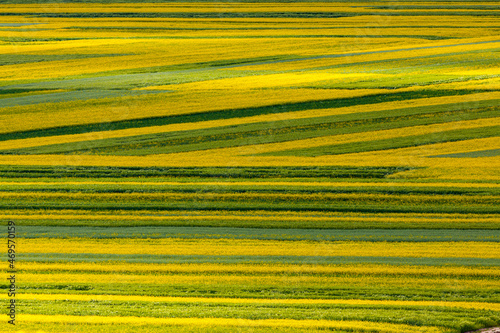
(14, 59)
(78, 95)
(473, 154)
(371, 235)
(79, 172)
(368, 203)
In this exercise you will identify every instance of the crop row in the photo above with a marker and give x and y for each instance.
(326, 202)
(414, 316)
(370, 235)
(204, 246)
(260, 219)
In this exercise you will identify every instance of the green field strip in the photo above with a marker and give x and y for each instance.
(374, 203)
(371, 235)
(473, 154)
(393, 143)
(275, 291)
(442, 60)
(480, 224)
(227, 114)
(264, 172)
(338, 176)
(269, 132)
(235, 188)
(187, 206)
(399, 80)
(14, 59)
(12, 92)
(78, 95)
(134, 80)
(88, 80)
(238, 259)
(106, 81)
(412, 315)
(451, 61)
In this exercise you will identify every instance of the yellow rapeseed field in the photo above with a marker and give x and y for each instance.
(173, 246)
(236, 322)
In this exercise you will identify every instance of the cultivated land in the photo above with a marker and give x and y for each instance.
(251, 166)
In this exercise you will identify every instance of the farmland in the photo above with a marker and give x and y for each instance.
(203, 166)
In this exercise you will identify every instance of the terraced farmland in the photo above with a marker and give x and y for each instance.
(245, 166)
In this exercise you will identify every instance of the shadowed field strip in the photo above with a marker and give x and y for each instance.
(236, 322)
(76, 297)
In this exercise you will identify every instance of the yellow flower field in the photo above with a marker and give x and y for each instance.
(259, 247)
(250, 166)
(213, 322)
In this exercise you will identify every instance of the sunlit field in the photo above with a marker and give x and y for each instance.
(251, 166)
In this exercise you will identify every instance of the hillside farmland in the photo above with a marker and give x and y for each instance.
(256, 166)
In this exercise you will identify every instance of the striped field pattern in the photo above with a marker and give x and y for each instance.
(242, 166)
